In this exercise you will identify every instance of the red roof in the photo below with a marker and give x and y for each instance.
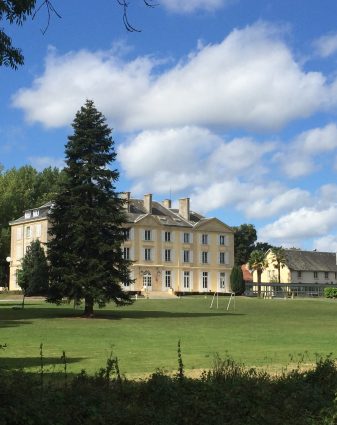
(247, 276)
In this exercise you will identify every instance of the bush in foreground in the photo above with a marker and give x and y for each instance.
(227, 394)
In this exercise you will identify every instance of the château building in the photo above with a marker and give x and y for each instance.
(171, 249)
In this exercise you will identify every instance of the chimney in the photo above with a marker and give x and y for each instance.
(126, 197)
(167, 203)
(184, 208)
(148, 203)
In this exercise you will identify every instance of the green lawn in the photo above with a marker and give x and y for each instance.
(144, 336)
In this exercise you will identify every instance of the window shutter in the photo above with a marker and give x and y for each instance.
(172, 236)
(132, 234)
(132, 254)
(19, 233)
(227, 257)
(191, 256)
(38, 230)
(172, 255)
(163, 235)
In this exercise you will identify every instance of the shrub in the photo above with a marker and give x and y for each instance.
(330, 292)
(237, 283)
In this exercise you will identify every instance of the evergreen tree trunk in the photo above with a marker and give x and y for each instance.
(23, 300)
(279, 273)
(89, 307)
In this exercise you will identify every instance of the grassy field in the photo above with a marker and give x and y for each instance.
(144, 336)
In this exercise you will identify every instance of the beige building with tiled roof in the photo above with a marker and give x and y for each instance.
(172, 250)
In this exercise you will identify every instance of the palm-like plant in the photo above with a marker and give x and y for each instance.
(278, 260)
(257, 262)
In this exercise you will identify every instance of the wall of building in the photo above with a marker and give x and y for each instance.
(22, 234)
(158, 265)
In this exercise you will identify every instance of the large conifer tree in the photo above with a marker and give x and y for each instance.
(85, 252)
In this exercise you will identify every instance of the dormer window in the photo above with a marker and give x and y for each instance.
(36, 213)
(27, 214)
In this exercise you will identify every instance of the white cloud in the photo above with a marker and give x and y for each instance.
(326, 243)
(182, 158)
(326, 46)
(188, 6)
(249, 80)
(299, 158)
(303, 223)
(41, 162)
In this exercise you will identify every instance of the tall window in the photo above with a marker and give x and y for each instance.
(204, 239)
(167, 255)
(186, 238)
(326, 275)
(204, 257)
(222, 258)
(316, 275)
(222, 280)
(127, 234)
(222, 240)
(186, 256)
(147, 254)
(168, 279)
(167, 236)
(147, 235)
(204, 280)
(299, 274)
(186, 280)
(28, 232)
(126, 253)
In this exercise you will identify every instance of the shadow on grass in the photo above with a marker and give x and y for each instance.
(17, 317)
(12, 363)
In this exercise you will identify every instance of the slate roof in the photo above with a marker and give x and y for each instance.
(298, 260)
(43, 212)
(166, 216)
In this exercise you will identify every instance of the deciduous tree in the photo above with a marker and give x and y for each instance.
(85, 250)
(244, 240)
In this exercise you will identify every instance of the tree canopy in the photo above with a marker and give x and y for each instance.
(87, 220)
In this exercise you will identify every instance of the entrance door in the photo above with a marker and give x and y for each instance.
(147, 282)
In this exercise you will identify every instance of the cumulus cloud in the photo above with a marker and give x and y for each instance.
(303, 223)
(326, 46)
(249, 80)
(189, 6)
(299, 158)
(182, 158)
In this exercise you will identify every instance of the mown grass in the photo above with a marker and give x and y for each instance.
(144, 336)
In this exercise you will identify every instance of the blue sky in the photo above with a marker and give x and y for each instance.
(230, 102)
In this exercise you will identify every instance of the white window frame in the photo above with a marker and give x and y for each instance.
(126, 253)
(204, 239)
(167, 236)
(147, 235)
(204, 280)
(222, 240)
(168, 255)
(168, 279)
(222, 257)
(147, 254)
(186, 237)
(204, 257)
(28, 232)
(186, 279)
(36, 213)
(186, 256)
(222, 281)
